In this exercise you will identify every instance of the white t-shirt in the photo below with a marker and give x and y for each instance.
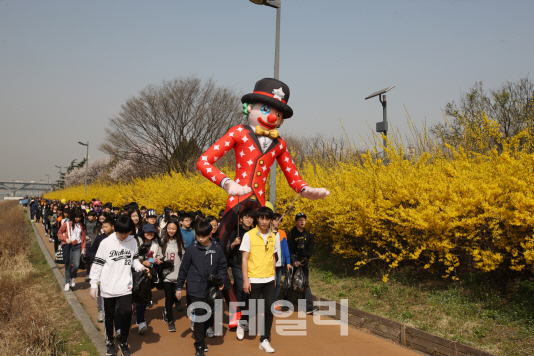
(278, 249)
(76, 233)
(245, 246)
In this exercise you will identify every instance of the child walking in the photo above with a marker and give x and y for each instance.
(202, 258)
(107, 227)
(153, 256)
(173, 249)
(259, 250)
(73, 233)
(112, 268)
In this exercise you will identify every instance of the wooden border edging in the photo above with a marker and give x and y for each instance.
(405, 335)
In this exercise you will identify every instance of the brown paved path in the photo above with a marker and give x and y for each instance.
(320, 340)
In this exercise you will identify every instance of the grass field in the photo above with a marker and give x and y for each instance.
(481, 311)
(35, 318)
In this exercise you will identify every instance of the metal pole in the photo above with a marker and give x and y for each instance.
(59, 183)
(385, 119)
(86, 165)
(272, 180)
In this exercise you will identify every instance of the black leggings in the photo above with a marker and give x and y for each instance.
(170, 298)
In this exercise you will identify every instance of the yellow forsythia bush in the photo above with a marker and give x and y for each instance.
(446, 209)
(191, 192)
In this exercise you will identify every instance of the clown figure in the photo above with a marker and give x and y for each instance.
(256, 145)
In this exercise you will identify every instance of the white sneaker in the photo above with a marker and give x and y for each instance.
(210, 332)
(72, 283)
(67, 287)
(265, 346)
(240, 332)
(142, 327)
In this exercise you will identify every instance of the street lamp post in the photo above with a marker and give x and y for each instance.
(59, 181)
(86, 162)
(277, 4)
(383, 125)
(48, 176)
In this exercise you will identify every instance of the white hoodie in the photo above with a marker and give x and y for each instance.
(112, 266)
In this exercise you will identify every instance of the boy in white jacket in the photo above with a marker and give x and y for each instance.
(112, 267)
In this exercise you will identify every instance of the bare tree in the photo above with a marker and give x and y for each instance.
(168, 126)
(511, 105)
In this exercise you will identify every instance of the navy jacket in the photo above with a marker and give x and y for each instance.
(197, 264)
(91, 251)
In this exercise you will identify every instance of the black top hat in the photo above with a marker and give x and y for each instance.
(271, 92)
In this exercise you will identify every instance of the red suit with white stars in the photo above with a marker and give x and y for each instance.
(252, 165)
(252, 168)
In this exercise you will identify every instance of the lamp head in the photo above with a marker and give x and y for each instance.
(271, 3)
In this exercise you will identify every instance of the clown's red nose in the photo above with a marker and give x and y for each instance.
(272, 118)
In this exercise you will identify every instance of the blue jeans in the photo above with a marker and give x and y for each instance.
(238, 284)
(75, 253)
(278, 278)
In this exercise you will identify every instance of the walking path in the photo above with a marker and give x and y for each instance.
(319, 339)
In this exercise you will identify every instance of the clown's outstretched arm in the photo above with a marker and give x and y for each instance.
(213, 154)
(295, 180)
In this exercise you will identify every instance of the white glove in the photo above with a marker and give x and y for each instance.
(315, 193)
(93, 293)
(232, 188)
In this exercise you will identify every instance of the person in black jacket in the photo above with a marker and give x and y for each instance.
(233, 254)
(202, 258)
(300, 243)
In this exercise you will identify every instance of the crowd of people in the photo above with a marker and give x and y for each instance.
(116, 243)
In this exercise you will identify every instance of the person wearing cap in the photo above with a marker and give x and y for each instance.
(151, 216)
(300, 243)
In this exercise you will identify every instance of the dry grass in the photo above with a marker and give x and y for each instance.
(25, 324)
(35, 318)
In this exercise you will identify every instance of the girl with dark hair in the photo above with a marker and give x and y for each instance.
(135, 215)
(173, 248)
(215, 225)
(164, 219)
(73, 233)
(98, 227)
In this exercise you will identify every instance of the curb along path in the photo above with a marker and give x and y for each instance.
(77, 308)
(319, 339)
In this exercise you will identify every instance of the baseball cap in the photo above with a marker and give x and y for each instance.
(300, 215)
(149, 228)
(151, 212)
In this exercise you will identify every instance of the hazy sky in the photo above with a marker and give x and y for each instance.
(66, 67)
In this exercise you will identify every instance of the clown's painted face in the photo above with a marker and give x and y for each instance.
(264, 115)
